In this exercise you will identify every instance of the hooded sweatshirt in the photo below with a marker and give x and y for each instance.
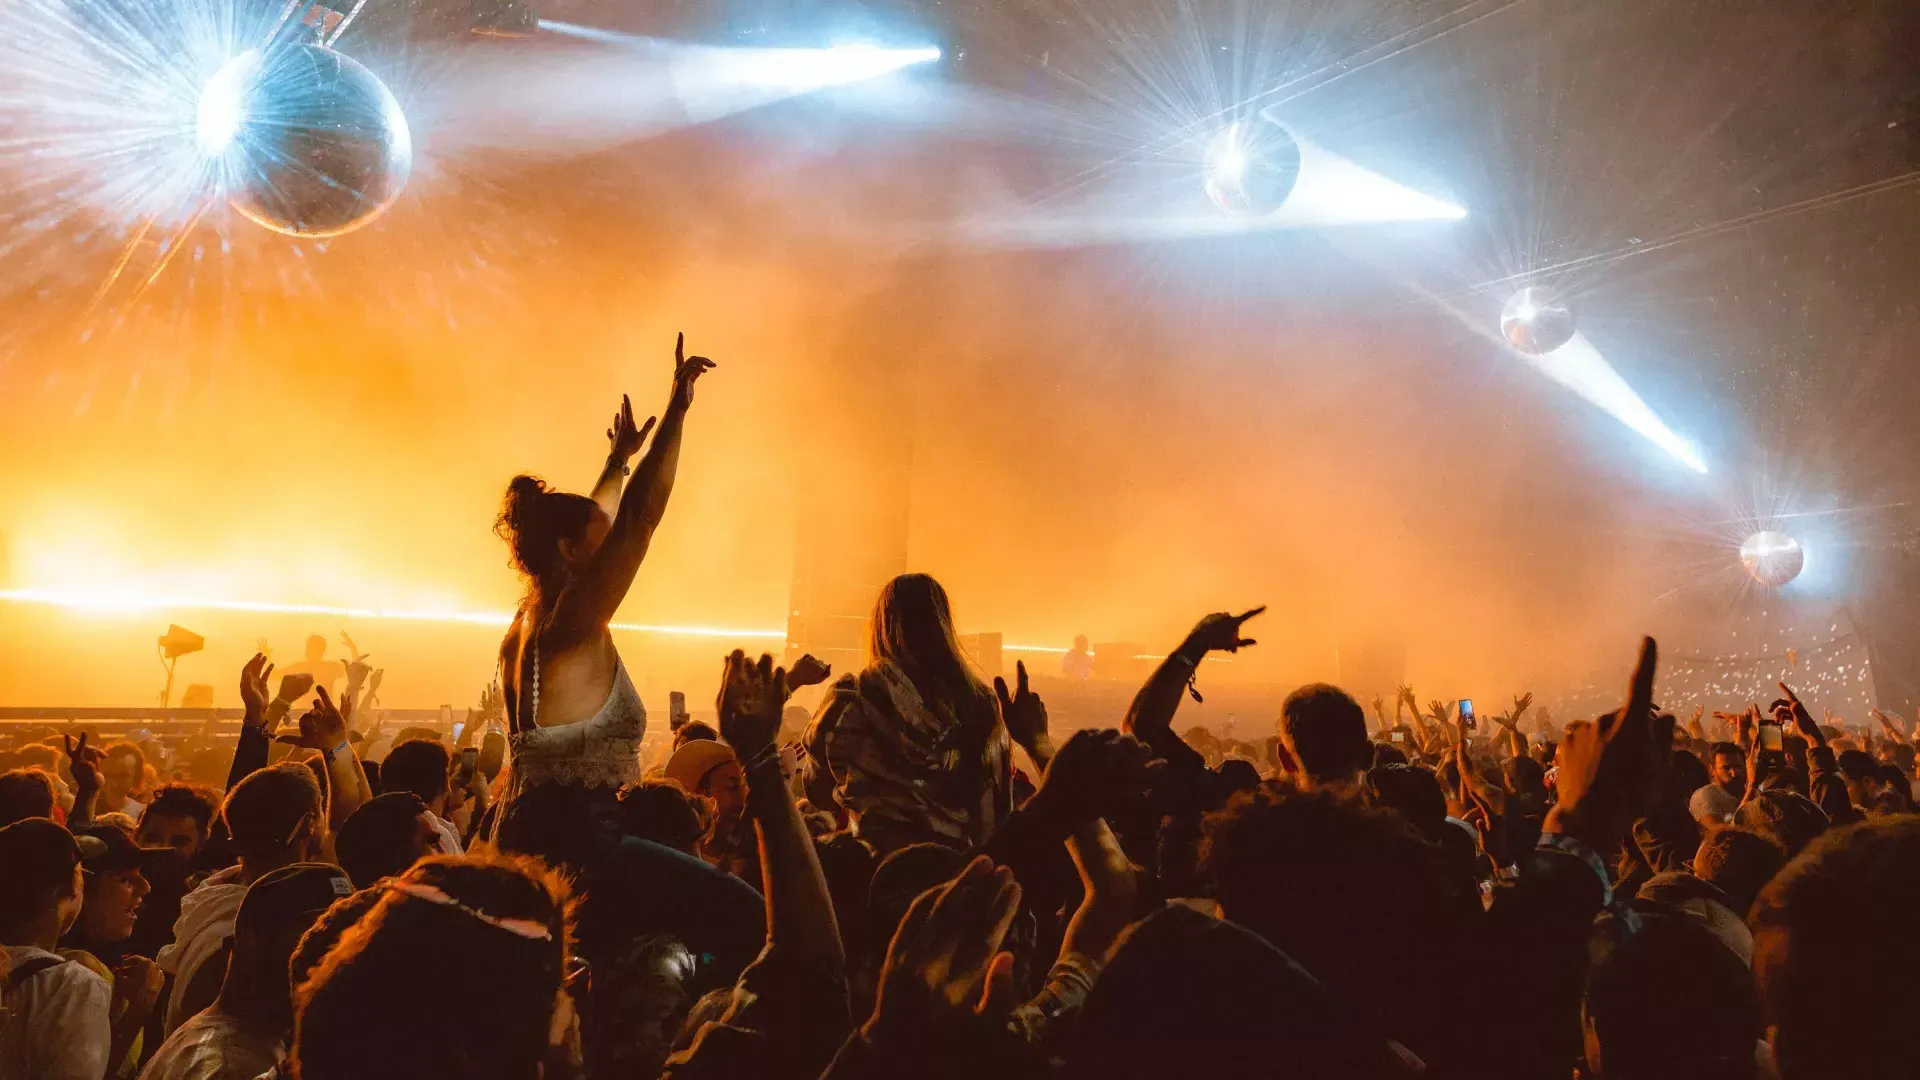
(203, 929)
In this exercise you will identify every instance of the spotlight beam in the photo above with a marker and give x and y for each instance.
(1580, 367)
(618, 88)
(1332, 191)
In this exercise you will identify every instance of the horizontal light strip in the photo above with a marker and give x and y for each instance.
(124, 603)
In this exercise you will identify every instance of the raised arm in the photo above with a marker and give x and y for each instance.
(591, 599)
(1150, 717)
(800, 918)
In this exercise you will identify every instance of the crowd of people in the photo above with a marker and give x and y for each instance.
(917, 880)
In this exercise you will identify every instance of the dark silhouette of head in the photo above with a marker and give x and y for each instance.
(1671, 1002)
(1834, 951)
(1324, 731)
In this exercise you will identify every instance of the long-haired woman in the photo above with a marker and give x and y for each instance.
(913, 747)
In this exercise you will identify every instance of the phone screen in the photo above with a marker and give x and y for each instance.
(1467, 719)
(458, 727)
(1399, 736)
(1770, 737)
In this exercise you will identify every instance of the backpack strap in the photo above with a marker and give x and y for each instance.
(27, 970)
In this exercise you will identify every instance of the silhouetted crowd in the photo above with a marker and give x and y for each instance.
(915, 881)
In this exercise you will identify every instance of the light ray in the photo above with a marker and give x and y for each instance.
(1332, 191)
(1581, 367)
(120, 602)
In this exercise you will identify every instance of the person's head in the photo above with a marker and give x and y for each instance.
(666, 813)
(549, 532)
(1728, 767)
(276, 911)
(1862, 775)
(1787, 816)
(1324, 733)
(1671, 1002)
(912, 626)
(384, 836)
(25, 793)
(121, 773)
(316, 648)
(420, 767)
(42, 890)
(1410, 791)
(180, 816)
(1079, 643)
(694, 731)
(115, 886)
(274, 816)
(1188, 997)
(1320, 876)
(1834, 951)
(1524, 776)
(1739, 862)
(712, 771)
(375, 1009)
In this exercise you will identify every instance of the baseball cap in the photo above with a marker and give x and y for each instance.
(36, 842)
(289, 895)
(107, 849)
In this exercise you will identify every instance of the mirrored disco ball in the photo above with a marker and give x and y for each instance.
(311, 143)
(1536, 321)
(1772, 558)
(1251, 167)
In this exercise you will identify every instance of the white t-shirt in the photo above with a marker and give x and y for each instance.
(213, 1045)
(58, 1026)
(449, 836)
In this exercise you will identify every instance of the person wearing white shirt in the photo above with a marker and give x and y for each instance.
(58, 1012)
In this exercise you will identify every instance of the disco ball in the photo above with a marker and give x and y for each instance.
(310, 142)
(1772, 558)
(1251, 167)
(1536, 321)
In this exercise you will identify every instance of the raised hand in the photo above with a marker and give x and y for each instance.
(752, 697)
(808, 671)
(253, 690)
(1609, 768)
(293, 688)
(1094, 775)
(1220, 632)
(1380, 712)
(1440, 712)
(945, 960)
(1803, 719)
(1520, 706)
(625, 437)
(686, 371)
(322, 728)
(1887, 724)
(353, 651)
(84, 762)
(1024, 713)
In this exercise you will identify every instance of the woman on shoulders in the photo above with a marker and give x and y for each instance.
(573, 714)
